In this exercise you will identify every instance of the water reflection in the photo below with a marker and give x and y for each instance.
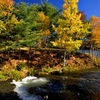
(96, 53)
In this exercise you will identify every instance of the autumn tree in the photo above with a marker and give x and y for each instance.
(6, 6)
(54, 14)
(93, 38)
(95, 34)
(7, 22)
(71, 30)
(5, 11)
(83, 16)
(29, 13)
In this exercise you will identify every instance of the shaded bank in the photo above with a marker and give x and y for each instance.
(43, 61)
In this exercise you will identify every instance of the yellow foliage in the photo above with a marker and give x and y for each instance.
(12, 22)
(9, 20)
(45, 24)
(71, 28)
(2, 26)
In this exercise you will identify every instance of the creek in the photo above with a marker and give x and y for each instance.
(66, 87)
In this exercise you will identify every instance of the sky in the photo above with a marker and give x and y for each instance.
(90, 7)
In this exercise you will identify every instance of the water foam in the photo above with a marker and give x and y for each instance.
(26, 83)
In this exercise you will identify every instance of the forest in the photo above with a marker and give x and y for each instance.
(41, 39)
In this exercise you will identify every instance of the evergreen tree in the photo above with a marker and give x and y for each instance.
(26, 33)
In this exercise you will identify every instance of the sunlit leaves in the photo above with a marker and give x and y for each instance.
(44, 22)
(2, 26)
(6, 6)
(71, 29)
(7, 19)
(95, 25)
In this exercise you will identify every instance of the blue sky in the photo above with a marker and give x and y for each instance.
(90, 7)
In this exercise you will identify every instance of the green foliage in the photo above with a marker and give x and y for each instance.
(70, 68)
(15, 74)
(21, 26)
(97, 62)
(2, 26)
(54, 14)
(31, 71)
(20, 66)
(20, 10)
(1, 75)
(26, 34)
(8, 21)
(20, 29)
(47, 70)
(58, 72)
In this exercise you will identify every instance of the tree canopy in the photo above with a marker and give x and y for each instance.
(70, 30)
(24, 25)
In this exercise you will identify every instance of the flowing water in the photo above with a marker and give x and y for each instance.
(22, 87)
(84, 87)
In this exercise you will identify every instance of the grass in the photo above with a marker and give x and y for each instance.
(68, 71)
(2, 77)
(15, 74)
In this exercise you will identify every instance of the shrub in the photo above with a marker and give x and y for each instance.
(1, 75)
(47, 70)
(20, 66)
(31, 71)
(58, 72)
(97, 62)
(15, 74)
(70, 68)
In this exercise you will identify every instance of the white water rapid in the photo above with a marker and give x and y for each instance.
(26, 83)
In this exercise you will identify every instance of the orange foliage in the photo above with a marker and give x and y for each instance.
(6, 6)
(95, 25)
(9, 19)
